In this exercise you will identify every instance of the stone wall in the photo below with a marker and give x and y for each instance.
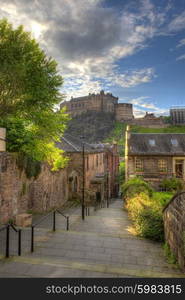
(19, 194)
(174, 225)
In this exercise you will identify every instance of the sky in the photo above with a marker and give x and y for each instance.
(134, 49)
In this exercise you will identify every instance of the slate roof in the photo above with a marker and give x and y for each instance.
(70, 143)
(157, 144)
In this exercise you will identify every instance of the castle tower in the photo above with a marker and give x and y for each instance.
(124, 111)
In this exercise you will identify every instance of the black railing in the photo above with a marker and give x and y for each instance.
(53, 213)
(6, 228)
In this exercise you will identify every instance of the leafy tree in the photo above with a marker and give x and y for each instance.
(29, 93)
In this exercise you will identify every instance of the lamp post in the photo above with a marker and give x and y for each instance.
(83, 179)
(107, 181)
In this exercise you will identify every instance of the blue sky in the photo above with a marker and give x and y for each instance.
(134, 49)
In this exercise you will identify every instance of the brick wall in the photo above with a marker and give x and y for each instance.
(18, 193)
(174, 225)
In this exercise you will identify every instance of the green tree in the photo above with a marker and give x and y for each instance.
(29, 94)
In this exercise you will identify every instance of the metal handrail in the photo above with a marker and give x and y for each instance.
(18, 231)
(43, 218)
(54, 224)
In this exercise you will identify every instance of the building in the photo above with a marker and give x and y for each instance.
(106, 102)
(155, 156)
(177, 114)
(102, 102)
(101, 169)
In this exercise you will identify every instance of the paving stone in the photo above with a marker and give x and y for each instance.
(99, 246)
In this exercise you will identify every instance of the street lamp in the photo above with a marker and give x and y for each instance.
(83, 178)
(107, 180)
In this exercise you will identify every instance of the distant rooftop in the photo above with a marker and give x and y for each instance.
(177, 107)
(157, 144)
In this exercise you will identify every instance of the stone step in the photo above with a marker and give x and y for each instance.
(59, 264)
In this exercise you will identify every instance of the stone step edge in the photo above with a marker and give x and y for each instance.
(101, 268)
(116, 235)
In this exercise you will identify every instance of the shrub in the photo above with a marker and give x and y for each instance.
(172, 184)
(162, 198)
(146, 216)
(135, 186)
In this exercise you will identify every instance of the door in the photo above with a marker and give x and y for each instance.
(179, 168)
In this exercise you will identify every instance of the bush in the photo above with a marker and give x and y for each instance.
(172, 184)
(135, 186)
(146, 216)
(162, 198)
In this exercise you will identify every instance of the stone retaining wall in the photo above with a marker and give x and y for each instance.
(174, 225)
(19, 194)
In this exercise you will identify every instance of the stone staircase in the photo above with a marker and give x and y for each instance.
(100, 246)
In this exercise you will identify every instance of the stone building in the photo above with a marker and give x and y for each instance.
(177, 115)
(101, 169)
(102, 102)
(155, 156)
(106, 102)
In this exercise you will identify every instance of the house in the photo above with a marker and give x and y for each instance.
(155, 156)
(99, 171)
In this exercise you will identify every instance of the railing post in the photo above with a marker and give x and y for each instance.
(19, 242)
(67, 228)
(7, 241)
(32, 238)
(54, 220)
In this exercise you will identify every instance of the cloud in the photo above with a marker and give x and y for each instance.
(141, 105)
(178, 23)
(88, 38)
(181, 57)
(181, 43)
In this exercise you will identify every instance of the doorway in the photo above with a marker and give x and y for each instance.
(179, 168)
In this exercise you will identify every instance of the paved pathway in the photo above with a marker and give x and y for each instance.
(100, 246)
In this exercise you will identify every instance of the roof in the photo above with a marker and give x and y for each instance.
(70, 143)
(156, 144)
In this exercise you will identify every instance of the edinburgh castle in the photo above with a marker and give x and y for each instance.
(106, 102)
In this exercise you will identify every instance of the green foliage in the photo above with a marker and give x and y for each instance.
(171, 258)
(29, 92)
(172, 184)
(145, 208)
(31, 167)
(146, 216)
(121, 176)
(162, 198)
(135, 186)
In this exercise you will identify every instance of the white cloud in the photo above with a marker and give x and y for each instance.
(142, 104)
(178, 23)
(181, 43)
(88, 38)
(181, 57)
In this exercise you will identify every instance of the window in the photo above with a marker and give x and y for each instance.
(96, 160)
(87, 163)
(162, 165)
(138, 165)
(152, 142)
(174, 142)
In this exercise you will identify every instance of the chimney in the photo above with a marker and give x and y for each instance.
(2, 139)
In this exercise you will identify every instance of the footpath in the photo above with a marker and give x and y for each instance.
(100, 246)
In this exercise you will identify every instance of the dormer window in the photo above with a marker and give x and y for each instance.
(152, 142)
(174, 142)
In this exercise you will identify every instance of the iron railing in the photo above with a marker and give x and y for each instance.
(53, 213)
(7, 228)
